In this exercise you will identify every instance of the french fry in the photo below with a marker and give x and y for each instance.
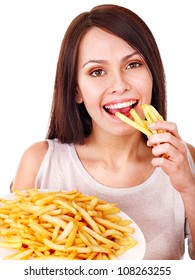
(89, 237)
(66, 231)
(71, 236)
(100, 238)
(84, 239)
(44, 200)
(156, 116)
(44, 209)
(9, 231)
(151, 115)
(93, 202)
(54, 220)
(55, 234)
(62, 225)
(38, 228)
(104, 207)
(87, 217)
(21, 255)
(110, 232)
(124, 249)
(109, 224)
(65, 205)
(11, 245)
(137, 118)
(125, 119)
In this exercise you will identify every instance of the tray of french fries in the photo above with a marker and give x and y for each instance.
(48, 224)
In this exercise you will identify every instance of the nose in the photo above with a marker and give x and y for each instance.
(119, 85)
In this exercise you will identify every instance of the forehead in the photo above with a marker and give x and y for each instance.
(97, 42)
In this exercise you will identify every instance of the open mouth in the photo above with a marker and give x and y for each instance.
(123, 107)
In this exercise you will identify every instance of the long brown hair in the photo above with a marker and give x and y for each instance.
(70, 122)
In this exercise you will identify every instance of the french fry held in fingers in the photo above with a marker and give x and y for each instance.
(151, 115)
(62, 225)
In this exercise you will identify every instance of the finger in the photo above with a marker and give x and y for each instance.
(179, 173)
(166, 126)
(173, 155)
(174, 149)
(174, 165)
(166, 164)
(166, 137)
(165, 149)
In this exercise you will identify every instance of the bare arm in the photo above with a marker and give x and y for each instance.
(29, 166)
(176, 166)
(189, 203)
(192, 151)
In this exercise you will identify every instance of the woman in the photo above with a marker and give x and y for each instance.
(109, 61)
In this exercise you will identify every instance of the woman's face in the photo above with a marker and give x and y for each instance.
(112, 76)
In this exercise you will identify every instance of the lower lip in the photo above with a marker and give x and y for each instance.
(124, 111)
(113, 117)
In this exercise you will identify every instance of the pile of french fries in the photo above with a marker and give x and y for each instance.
(62, 225)
(151, 115)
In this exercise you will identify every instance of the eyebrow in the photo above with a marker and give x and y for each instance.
(100, 61)
(103, 61)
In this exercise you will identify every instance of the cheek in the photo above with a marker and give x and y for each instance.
(89, 93)
(91, 102)
(145, 87)
(84, 93)
(93, 106)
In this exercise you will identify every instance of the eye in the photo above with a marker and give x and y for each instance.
(134, 65)
(97, 73)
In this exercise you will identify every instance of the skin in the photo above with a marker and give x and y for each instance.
(111, 72)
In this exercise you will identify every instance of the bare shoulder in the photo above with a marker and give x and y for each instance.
(192, 151)
(29, 166)
(35, 153)
(37, 149)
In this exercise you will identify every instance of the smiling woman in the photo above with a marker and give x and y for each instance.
(139, 49)
(109, 62)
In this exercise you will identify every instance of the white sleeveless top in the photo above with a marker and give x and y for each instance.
(155, 206)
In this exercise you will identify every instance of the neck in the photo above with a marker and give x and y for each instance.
(117, 161)
(117, 150)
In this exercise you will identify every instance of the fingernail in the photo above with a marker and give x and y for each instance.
(152, 125)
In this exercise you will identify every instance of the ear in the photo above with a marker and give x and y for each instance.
(79, 98)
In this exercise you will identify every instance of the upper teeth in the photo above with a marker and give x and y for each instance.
(121, 105)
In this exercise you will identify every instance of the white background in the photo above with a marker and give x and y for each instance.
(31, 32)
